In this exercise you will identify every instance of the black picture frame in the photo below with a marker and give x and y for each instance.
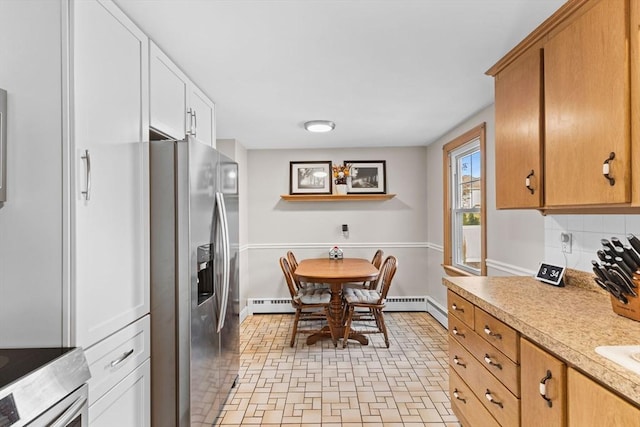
(310, 177)
(367, 177)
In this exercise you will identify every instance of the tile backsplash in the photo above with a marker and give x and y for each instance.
(586, 232)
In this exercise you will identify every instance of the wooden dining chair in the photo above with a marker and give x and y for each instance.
(293, 263)
(310, 304)
(373, 299)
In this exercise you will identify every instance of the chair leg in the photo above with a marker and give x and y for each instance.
(347, 326)
(295, 327)
(382, 326)
(331, 328)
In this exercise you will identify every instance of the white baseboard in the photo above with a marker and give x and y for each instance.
(243, 314)
(283, 305)
(437, 311)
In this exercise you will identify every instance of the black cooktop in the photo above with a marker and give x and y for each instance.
(18, 362)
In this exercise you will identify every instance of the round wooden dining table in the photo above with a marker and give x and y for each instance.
(336, 272)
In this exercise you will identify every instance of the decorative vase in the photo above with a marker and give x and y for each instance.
(341, 188)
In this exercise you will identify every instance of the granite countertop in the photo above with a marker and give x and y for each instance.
(568, 321)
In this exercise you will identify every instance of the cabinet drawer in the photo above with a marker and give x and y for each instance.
(460, 307)
(504, 406)
(114, 358)
(466, 405)
(501, 336)
(503, 368)
(460, 331)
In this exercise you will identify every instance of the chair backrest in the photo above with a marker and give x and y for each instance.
(288, 277)
(387, 271)
(293, 262)
(377, 259)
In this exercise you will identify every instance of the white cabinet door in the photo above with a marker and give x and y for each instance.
(109, 225)
(204, 120)
(127, 404)
(168, 94)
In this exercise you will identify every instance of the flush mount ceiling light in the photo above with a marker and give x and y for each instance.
(319, 126)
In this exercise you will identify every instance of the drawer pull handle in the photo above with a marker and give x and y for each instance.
(490, 361)
(489, 332)
(543, 388)
(456, 394)
(456, 332)
(454, 307)
(491, 399)
(458, 362)
(606, 170)
(121, 359)
(527, 182)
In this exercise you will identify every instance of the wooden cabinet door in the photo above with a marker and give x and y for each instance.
(535, 367)
(204, 120)
(591, 405)
(518, 106)
(168, 95)
(109, 229)
(587, 109)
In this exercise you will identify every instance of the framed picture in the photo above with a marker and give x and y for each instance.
(229, 178)
(368, 177)
(310, 177)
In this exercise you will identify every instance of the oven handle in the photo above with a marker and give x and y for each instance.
(70, 413)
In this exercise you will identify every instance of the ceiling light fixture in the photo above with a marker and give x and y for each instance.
(319, 126)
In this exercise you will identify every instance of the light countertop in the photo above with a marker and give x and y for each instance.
(569, 322)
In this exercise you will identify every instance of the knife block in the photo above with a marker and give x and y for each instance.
(630, 310)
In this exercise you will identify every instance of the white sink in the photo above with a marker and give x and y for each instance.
(627, 356)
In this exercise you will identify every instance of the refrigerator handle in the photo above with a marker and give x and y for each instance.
(222, 215)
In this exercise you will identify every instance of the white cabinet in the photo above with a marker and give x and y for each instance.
(109, 188)
(177, 106)
(127, 404)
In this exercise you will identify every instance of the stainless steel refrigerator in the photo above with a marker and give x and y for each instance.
(194, 282)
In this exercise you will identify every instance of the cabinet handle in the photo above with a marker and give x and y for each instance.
(489, 332)
(543, 388)
(527, 182)
(121, 359)
(456, 394)
(456, 332)
(190, 126)
(458, 362)
(606, 169)
(195, 123)
(87, 158)
(490, 361)
(491, 399)
(454, 307)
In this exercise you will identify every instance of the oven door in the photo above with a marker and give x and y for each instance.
(72, 411)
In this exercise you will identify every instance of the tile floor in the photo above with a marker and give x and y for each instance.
(319, 385)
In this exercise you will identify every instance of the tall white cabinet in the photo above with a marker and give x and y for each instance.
(109, 204)
(177, 106)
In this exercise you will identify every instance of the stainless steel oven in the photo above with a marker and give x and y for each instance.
(43, 387)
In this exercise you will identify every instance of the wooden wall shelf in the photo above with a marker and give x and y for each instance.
(335, 197)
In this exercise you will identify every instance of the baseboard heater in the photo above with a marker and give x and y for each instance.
(283, 305)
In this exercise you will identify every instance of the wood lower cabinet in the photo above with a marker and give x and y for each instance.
(591, 405)
(519, 137)
(540, 371)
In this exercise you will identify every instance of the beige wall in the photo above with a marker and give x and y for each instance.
(515, 238)
(398, 226)
(31, 267)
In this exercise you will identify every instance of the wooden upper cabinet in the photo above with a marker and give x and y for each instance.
(518, 109)
(587, 108)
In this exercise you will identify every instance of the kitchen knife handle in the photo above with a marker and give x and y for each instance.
(456, 394)
(527, 182)
(87, 158)
(543, 388)
(456, 332)
(492, 399)
(606, 169)
(488, 331)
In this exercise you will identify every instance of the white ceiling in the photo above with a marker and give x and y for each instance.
(387, 72)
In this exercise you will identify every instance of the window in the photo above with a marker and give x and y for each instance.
(464, 204)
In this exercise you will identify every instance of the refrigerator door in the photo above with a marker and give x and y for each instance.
(204, 278)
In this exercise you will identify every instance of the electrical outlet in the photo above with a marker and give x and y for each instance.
(565, 242)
